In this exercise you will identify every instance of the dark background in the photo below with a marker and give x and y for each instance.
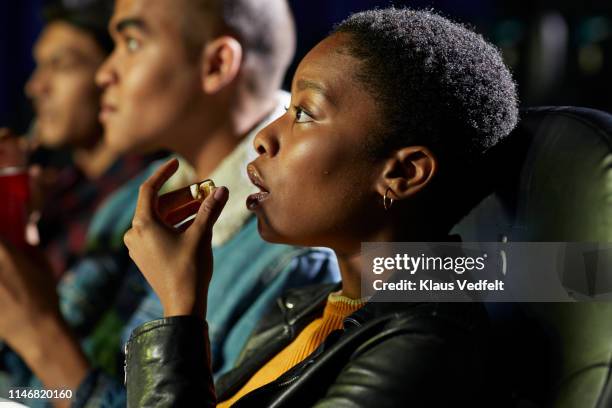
(560, 51)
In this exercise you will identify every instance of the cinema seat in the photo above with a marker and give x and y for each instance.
(551, 180)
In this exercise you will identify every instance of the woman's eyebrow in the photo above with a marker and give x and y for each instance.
(303, 84)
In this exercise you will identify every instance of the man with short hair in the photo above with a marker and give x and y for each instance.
(70, 49)
(200, 78)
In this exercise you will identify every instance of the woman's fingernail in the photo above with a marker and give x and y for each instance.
(220, 194)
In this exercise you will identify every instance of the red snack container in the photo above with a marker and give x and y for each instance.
(178, 208)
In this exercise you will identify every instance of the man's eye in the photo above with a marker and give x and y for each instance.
(63, 64)
(301, 116)
(132, 44)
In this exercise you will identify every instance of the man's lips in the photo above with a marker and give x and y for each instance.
(254, 200)
(44, 112)
(106, 110)
(44, 116)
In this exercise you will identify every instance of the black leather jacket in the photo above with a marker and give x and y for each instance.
(387, 355)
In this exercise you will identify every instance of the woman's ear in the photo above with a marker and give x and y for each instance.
(407, 172)
(221, 63)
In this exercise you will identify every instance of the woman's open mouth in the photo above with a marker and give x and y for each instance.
(254, 200)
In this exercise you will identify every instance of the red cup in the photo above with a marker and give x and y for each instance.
(14, 199)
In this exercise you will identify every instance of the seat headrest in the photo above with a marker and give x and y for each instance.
(550, 180)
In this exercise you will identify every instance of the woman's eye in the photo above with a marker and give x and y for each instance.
(132, 44)
(301, 116)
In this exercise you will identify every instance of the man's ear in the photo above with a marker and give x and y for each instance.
(407, 172)
(221, 63)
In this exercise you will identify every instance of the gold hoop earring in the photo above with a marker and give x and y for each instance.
(387, 201)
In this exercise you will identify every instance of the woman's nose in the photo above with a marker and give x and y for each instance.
(266, 141)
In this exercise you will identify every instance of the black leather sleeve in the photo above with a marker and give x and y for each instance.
(168, 364)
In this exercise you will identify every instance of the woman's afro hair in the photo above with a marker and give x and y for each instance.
(438, 83)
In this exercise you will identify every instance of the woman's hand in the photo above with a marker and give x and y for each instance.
(178, 265)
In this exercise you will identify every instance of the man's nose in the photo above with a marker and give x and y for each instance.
(106, 74)
(37, 84)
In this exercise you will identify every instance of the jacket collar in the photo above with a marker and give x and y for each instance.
(297, 304)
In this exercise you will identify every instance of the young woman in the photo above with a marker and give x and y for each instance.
(388, 118)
